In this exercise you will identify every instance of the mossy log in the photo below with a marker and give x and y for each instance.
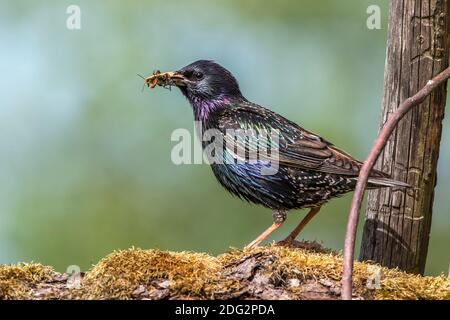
(271, 272)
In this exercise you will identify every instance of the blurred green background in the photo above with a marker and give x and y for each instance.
(85, 155)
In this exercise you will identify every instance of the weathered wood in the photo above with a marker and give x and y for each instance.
(397, 227)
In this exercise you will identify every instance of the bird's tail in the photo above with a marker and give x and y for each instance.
(387, 182)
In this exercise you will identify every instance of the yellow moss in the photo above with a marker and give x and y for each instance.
(401, 285)
(120, 273)
(16, 280)
(201, 276)
(394, 284)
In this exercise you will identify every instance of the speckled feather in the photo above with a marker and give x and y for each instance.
(311, 170)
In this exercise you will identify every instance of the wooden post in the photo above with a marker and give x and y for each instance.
(398, 222)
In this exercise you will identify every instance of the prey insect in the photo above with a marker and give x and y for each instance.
(165, 80)
(160, 79)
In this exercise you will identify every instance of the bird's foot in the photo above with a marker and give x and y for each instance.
(263, 235)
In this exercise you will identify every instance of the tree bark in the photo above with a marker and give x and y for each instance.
(398, 222)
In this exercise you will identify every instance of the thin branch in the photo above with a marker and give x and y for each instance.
(380, 142)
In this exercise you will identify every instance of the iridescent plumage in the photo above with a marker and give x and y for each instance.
(310, 169)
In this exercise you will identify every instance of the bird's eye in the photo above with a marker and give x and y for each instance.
(197, 75)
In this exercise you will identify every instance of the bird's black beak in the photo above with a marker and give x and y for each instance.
(171, 78)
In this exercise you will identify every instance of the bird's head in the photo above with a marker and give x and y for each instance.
(202, 81)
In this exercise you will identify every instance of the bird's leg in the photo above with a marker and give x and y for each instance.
(291, 237)
(278, 218)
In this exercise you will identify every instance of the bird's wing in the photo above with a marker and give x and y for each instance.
(297, 147)
(310, 150)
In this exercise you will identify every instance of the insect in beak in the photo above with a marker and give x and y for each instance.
(165, 80)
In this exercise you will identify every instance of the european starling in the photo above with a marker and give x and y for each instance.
(310, 170)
